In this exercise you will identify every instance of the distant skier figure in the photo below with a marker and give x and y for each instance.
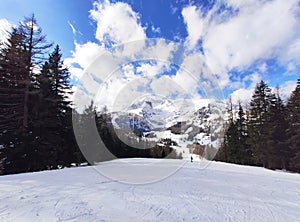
(191, 159)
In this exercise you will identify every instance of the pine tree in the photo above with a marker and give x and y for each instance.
(293, 118)
(229, 148)
(21, 56)
(91, 132)
(35, 45)
(12, 91)
(56, 143)
(244, 152)
(233, 143)
(279, 152)
(12, 68)
(257, 127)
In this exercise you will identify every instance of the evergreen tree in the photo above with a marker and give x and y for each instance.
(35, 44)
(293, 118)
(234, 148)
(229, 149)
(18, 60)
(278, 151)
(53, 127)
(12, 69)
(232, 143)
(257, 127)
(89, 129)
(244, 152)
(12, 91)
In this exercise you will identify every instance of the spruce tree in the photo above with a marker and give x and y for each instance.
(12, 91)
(56, 142)
(36, 46)
(293, 118)
(228, 150)
(244, 152)
(21, 56)
(278, 151)
(257, 126)
(12, 69)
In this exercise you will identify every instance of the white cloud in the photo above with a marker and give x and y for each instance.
(83, 55)
(5, 26)
(72, 27)
(292, 54)
(258, 30)
(263, 67)
(155, 30)
(194, 76)
(254, 78)
(116, 22)
(194, 21)
(188, 75)
(244, 94)
(152, 69)
(165, 87)
(286, 89)
(173, 9)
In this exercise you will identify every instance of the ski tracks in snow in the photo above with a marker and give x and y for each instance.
(221, 192)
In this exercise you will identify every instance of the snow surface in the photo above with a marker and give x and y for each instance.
(198, 191)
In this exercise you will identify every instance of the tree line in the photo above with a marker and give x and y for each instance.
(266, 134)
(116, 143)
(36, 131)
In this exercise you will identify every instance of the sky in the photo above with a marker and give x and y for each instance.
(231, 45)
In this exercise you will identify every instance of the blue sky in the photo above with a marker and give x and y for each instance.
(242, 42)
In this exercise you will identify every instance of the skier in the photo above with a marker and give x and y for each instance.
(191, 159)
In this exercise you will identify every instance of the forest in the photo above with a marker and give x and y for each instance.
(267, 133)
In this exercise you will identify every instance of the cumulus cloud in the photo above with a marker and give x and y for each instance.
(124, 27)
(244, 94)
(152, 68)
(257, 30)
(194, 21)
(116, 22)
(82, 57)
(292, 54)
(233, 38)
(286, 89)
(85, 53)
(155, 29)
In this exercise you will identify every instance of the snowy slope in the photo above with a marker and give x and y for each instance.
(218, 192)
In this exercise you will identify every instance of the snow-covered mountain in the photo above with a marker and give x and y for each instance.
(178, 120)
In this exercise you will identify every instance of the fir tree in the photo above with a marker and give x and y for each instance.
(53, 127)
(244, 152)
(293, 118)
(36, 45)
(21, 56)
(278, 151)
(12, 91)
(257, 126)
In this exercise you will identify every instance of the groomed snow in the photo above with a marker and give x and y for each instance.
(217, 192)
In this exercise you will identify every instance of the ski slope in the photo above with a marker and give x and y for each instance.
(198, 191)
